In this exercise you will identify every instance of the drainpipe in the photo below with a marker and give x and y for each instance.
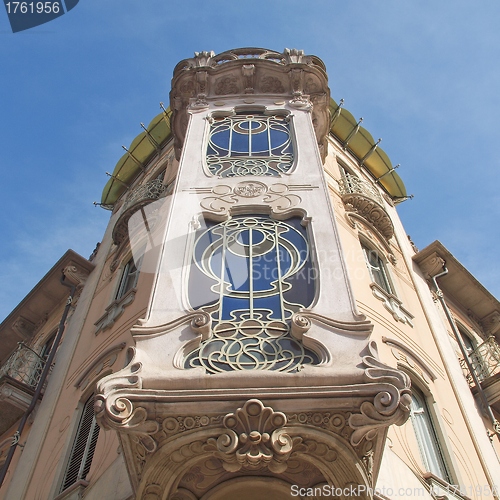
(456, 333)
(43, 377)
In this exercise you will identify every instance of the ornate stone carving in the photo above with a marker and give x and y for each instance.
(271, 85)
(390, 406)
(75, 275)
(278, 197)
(255, 439)
(393, 305)
(371, 211)
(432, 265)
(245, 71)
(113, 312)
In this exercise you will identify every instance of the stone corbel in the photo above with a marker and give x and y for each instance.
(75, 275)
(393, 305)
(432, 265)
(390, 406)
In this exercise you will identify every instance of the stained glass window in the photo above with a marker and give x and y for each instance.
(251, 274)
(249, 144)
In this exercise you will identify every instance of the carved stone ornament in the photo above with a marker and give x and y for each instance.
(371, 211)
(432, 265)
(114, 311)
(291, 74)
(393, 305)
(255, 439)
(491, 323)
(390, 406)
(279, 197)
(75, 275)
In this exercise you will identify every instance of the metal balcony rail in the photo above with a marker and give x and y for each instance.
(149, 191)
(24, 365)
(350, 184)
(485, 360)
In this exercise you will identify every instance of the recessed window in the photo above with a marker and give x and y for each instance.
(430, 449)
(249, 144)
(83, 448)
(129, 277)
(377, 269)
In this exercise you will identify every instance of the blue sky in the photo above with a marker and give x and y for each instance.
(424, 75)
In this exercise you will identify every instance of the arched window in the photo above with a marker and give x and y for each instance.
(249, 144)
(377, 269)
(251, 273)
(430, 448)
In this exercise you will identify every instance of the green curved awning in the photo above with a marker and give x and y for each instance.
(378, 163)
(141, 150)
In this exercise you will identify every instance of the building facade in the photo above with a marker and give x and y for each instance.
(255, 322)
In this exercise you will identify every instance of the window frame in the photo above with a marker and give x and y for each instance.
(431, 438)
(86, 417)
(386, 283)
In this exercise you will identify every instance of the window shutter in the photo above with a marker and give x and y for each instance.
(83, 447)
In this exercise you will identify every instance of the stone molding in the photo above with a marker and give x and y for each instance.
(24, 327)
(371, 211)
(114, 311)
(253, 436)
(280, 198)
(393, 305)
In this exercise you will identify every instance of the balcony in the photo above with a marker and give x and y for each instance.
(19, 376)
(485, 361)
(363, 200)
(138, 198)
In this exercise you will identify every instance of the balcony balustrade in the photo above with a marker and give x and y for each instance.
(362, 198)
(19, 376)
(485, 360)
(139, 197)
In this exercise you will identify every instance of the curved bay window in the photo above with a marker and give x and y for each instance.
(249, 144)
(251, 274)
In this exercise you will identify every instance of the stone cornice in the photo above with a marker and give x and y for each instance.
(293, 76)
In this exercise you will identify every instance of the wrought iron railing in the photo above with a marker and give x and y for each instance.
(485, 360)
(149, 191)
(351, 184)
(24, 365)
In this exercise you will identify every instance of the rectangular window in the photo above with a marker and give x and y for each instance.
(249, 144)
(83, 447)
(377, 270)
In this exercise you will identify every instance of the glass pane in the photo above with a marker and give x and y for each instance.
(251, 274)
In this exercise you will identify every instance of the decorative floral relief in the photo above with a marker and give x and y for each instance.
(255, 439)
(278, 196)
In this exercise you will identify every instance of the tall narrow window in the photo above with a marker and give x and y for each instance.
(377, 269)
(249, 144)
(84, 445)
(430, 449)
(130, 275)
(251, 274)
